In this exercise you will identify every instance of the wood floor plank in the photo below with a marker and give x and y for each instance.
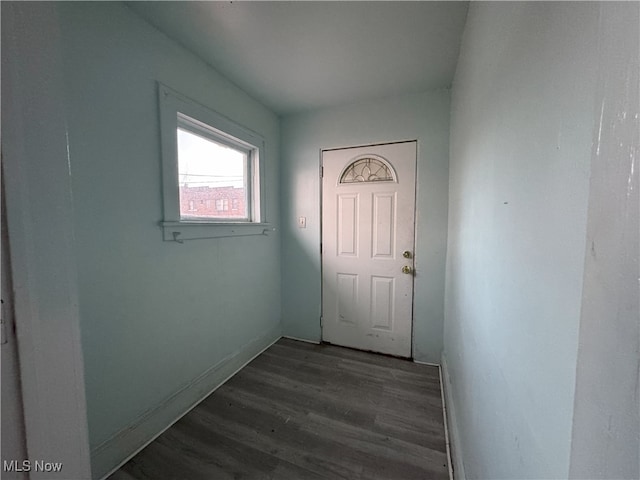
(304, 411)
(286, 441)
(378, 446)
(365, 395)
(299, 406)
(332, 354)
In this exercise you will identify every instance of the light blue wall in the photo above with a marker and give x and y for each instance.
(155, 315)
(522, 127)
(424, 117)
(606, 419)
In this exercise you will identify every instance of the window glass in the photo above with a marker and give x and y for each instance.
(209, 170)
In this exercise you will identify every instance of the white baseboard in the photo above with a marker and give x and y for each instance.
(446, 425)
(301, 339)
(452, 424)
(114, 452)
(430, 364)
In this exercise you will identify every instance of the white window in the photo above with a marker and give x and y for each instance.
(207, 157)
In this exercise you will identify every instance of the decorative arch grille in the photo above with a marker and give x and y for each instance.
(367, 169)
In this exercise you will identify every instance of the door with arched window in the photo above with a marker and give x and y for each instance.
(368, 228)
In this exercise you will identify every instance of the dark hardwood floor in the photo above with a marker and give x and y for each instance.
(302, 411)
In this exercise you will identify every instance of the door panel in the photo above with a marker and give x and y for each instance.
(347, 225)
(368, 216)
(384, 234)
(382, 293)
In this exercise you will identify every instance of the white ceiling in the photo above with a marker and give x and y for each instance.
(295, 56)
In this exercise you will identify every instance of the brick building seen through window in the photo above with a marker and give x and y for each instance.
(204, 201)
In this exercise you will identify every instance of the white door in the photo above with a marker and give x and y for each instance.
(368, 216)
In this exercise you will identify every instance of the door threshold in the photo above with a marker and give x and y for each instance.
(409, 359)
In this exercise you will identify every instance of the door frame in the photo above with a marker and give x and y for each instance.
(39, 208)
(9, 348)
(415, 230)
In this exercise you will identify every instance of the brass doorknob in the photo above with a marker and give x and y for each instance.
(406, 254)
(407, 269)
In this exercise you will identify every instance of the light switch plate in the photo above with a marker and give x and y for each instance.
(302, 222)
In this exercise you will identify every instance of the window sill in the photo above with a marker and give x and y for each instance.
(181, 231)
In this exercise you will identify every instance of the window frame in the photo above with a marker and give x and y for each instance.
(176, 110)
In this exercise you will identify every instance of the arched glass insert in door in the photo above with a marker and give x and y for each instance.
(368, 169)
